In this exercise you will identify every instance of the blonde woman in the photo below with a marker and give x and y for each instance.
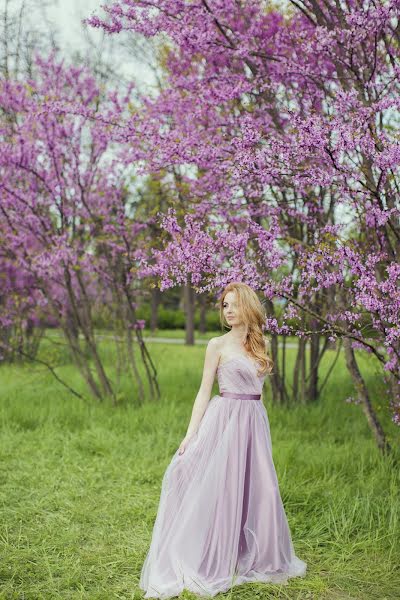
(220, 519)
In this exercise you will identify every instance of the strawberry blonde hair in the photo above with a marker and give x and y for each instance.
(253, 315)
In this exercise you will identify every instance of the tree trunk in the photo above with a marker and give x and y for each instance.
(189, 313)
(303, 369)
(81, 362)
(296, 371)
(283, 376)
(364, 398)
(154, 304)
(278, 387)
(82, 317)
(203, 312)
(312, 389)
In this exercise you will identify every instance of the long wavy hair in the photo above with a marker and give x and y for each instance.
(253, 315)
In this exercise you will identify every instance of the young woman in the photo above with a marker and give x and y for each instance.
(220, 520)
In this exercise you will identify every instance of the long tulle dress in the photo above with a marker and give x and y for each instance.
(220, 519)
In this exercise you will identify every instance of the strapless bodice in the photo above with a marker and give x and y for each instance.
(239, 374)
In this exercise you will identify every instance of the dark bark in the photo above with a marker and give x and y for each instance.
(312, 389)
(202, 303)
(363, 396)
(149, 366)
(303, 370)
(188, 303)
(296, 372)
(278, 388)
(154, 305)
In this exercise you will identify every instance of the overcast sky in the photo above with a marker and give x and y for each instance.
(67, 15)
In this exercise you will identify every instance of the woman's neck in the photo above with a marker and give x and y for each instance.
(238, 333)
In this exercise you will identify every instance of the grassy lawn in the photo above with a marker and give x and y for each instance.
(80, 484)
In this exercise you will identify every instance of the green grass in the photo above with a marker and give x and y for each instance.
(80, 484)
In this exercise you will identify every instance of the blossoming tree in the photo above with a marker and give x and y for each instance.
(282, 124)
(65, 225)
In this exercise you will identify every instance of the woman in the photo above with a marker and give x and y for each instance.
(220, 520)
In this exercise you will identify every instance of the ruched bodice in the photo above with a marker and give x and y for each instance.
(239, 374)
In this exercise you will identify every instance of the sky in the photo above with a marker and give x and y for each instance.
(66, 16)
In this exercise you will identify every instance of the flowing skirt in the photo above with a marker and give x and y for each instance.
(220, 519)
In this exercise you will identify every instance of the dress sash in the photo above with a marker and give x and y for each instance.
(240, 396)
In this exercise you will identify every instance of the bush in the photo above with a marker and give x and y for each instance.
(169, 318)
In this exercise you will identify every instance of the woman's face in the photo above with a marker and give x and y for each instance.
(230, 309)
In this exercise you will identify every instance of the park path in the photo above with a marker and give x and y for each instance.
(169, 340)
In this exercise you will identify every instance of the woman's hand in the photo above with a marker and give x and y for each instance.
(184, 443)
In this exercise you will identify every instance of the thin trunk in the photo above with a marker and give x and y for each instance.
(87, 331)
(82, 318)
(154, 305)
(151, 371)
(296, 373)
(364, 398)
(312, 390)
(302, 370)
(70, 327)
(279, 393)
(123, 308)
(189, 313)
(275, 378)
(81, 362)
(148, 363)
(134, 368)
(203, 313)
(283, 362)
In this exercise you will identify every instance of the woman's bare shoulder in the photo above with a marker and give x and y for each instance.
(217, 342)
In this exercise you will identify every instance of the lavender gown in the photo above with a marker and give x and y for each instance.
(220, 520)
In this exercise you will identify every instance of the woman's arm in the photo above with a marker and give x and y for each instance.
(203, 395)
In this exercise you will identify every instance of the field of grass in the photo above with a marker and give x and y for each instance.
(80, 484)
